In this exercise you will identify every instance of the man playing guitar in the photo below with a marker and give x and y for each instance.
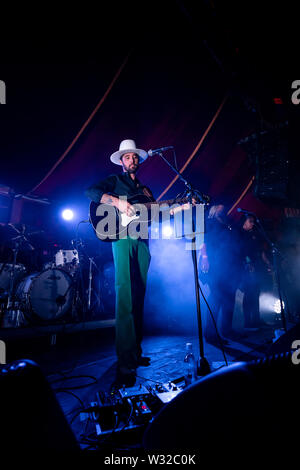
(131, 260)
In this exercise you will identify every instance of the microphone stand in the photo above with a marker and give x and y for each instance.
(203, 367)
(11, 300)
(81, 250)
(275, 252)
(18, 241)
(79, 281)
(91, 264)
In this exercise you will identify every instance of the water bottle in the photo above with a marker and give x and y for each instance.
(190, 374)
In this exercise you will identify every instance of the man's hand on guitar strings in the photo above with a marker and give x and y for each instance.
(126, 208)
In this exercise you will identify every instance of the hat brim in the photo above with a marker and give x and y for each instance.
(115, 157)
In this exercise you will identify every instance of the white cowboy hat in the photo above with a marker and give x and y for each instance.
(126, 146)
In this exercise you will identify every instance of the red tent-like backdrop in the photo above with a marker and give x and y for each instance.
(159, 94)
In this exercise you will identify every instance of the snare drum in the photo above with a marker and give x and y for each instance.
(48, 294)
(67, 260)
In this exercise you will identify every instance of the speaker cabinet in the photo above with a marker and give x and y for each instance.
(247, 407)
(31, 417)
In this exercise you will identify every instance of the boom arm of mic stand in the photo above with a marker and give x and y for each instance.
(173, 168)
(189, 189)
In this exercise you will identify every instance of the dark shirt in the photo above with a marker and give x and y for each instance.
(252, 248)
(118, 185)
(223, 250)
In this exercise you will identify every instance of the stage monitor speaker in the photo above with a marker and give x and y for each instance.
(272, 168)
(31, 417)
(269, 151)
(251, 407)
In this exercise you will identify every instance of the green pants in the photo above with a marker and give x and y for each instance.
(131, 259)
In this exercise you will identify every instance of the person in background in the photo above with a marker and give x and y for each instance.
(255, 265)
(219, 260)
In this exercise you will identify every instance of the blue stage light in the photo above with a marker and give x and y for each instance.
(277, 306)
(67, 214)
(167, 231)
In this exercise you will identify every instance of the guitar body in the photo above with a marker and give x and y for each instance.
(111, 225)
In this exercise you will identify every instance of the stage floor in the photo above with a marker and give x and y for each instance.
(84, 363)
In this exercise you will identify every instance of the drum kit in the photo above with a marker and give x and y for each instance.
(55, 293)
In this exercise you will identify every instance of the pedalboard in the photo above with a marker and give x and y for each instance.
(167, 391)
(137, 391)
(132, 407)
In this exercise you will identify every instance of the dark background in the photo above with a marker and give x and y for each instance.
(58, 63)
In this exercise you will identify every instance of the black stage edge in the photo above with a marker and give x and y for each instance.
(7, 334)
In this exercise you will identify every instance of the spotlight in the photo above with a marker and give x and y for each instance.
(277, 307)
(67, 214)
(167, 231)
(268, 303)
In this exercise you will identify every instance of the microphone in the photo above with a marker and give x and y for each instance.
(244, 211)
(162, 149)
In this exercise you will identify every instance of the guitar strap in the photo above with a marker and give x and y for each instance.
(147, 192)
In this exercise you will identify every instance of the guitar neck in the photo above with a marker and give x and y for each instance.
(167, 202)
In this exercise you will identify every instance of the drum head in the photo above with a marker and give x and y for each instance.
(51, 294)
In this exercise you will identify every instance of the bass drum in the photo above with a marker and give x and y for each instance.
(48, 295)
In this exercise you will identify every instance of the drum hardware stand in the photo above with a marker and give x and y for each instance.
(88, 300)
(10, 300)
(61, 299)
(18, 241)
(203, 367)
(2, 268)
(90, 288)
(79, 303)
